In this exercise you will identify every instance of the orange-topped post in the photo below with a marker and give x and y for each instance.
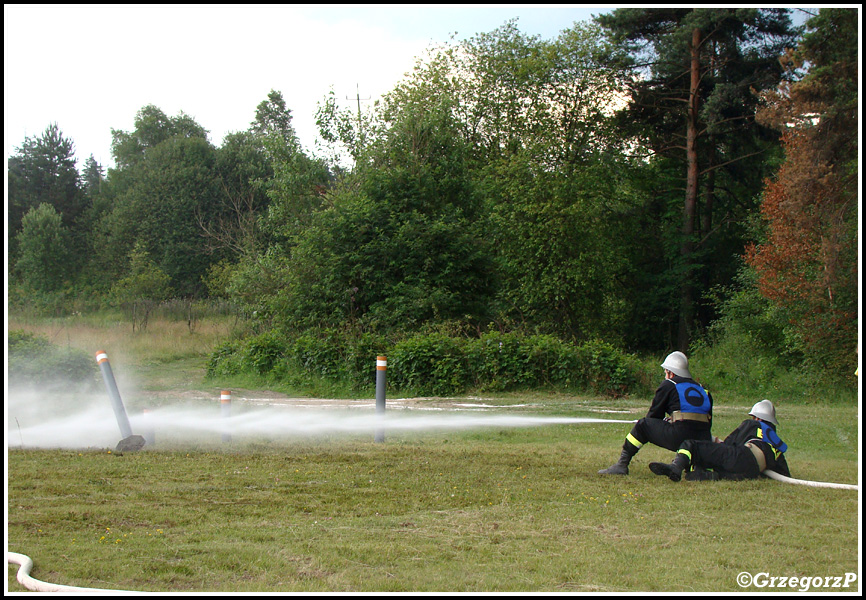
(381, 370)
(114, 394)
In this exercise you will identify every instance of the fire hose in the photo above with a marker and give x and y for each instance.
(821, 484)
(35, 585)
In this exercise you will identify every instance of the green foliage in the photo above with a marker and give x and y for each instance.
(34, 361)
(396, 248)
(607, 370)
(558, 241)
(492, 185)
(225, 360)
(43, 172)
(336, 358)
(145, 282)
(512, 361)
(434, 363)
(297, 188)
(321, 355)
(429, 364)
(754, 349)
(43, 245)
(703, 120)
(152, 127)
(264, 352)
(164, 193)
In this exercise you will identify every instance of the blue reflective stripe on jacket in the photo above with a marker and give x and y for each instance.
(693, 398)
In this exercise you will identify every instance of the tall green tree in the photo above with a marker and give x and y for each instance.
(398, 245)
(299, 181)
(549, 166)
(43, 171)
(151, 127)
(43, 261)
(693, 92)
(142, 289)
(164, 183)
(92, 177)
(270, 190)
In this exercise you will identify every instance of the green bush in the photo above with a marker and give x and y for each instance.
(554, 361)
(435, 363)
(225, 360)
(499, 362)
(321, 355)
(511, 361)
(429, 364)
(260, 355)
(360, 359)
(264, 352)
(607, 370)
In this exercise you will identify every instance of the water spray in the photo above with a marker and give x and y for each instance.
(147, 430)
(130, 442)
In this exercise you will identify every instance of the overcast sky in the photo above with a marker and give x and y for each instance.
(90, 68)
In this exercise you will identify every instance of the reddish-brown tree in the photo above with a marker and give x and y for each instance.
(808, 262)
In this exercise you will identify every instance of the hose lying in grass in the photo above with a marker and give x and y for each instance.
(838, 486)
(40, 586)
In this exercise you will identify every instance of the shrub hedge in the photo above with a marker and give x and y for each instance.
(436, 364)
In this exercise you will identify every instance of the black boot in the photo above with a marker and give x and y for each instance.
(702, 475)
(674, 471)
(621, 466)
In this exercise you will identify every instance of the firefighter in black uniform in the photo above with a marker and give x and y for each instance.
(681, 410)
(748, 451)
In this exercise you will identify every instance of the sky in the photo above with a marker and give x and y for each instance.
(91, 68)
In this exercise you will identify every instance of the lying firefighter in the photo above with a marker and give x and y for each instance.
(748, 451)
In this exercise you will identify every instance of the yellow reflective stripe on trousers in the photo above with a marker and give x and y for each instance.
(633, 441)
(685, 453)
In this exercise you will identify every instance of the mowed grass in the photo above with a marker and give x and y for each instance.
(494, 509)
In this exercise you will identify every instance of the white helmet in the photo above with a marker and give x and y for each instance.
(765, 411)
(678, 364)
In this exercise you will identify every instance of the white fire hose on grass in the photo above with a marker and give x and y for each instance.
(40, 586)
(35, 585)
(821, 484)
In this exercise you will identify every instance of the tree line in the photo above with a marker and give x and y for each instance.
(650, 178)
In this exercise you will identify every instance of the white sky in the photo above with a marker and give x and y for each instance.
(90, 68)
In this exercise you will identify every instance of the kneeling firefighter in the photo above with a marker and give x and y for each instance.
(748, 451)
(681, 410)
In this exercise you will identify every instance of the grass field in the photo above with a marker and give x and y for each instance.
(488, 509)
